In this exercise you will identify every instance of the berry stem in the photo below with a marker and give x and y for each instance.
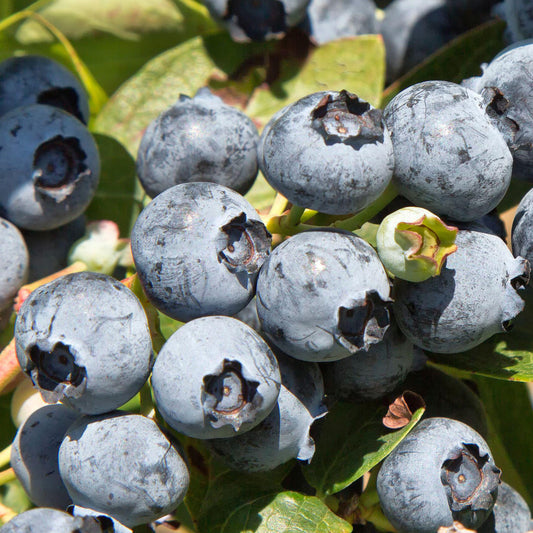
(356, 221)
(5, 456)
(6, 476)
(279, 206)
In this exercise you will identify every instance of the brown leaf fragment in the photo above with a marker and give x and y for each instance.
(401, 410)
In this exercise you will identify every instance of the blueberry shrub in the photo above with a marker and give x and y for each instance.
(265, 266)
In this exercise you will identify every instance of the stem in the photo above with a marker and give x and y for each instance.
(369, 498)
(280, 225)
(279, 206)
(5, 456)
(147, 404)
(369, 212)
(308, 214)
(294, 216)
(379, 520)
(6, 513)
(6, 476)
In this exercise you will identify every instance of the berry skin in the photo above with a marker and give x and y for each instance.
(107, 521)
(522, 234)
(323, 295)
(34, 455)
(259, 20)
(449, 156)
(510, 513)
(84, 340)
(198, 139)
(215, 377)
(328, 151)
(474, 297)
(508, 74)
(49, 167)
(29, 80)
(329, 20)
(373, 373)
(14, 263)
(197, 248)
(284, 434)
(123, 466)
(45, 520)
(412, 30)
(440, 472)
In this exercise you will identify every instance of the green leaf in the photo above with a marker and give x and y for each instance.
(357, 65)
(12, 495)
(352, 440)
(183, 69)
(239, 503)
(116, 198)
(168, 325)
(508, 406)
(261, 195)
(459, 59)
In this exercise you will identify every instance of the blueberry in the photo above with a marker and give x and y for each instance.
(510, 514)
(14, 263)
(111, 524)
(123, 466)
(30, 79)
(328, 151)
(34, 455)
(45, 520)
(508, 75)
(440, 472)
(328, 20)
(49, 167)
(84, 340)
(197, 248)
(259, 20)
(49, 249)
(215, 377)
(412, 30)
(285, 433)
(323, 295)
(449, 157)
(522, 230)
(198, 139)
(474, 297)
(373, 373)
(518, 14)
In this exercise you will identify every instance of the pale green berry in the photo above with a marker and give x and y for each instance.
(413, 243)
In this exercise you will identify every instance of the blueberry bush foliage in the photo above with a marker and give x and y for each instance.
(134, 59)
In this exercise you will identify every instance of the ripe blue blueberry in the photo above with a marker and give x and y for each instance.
(373, 373)
(84, 340)
(198, 139)
(197, 248)
(123, 466)
(323, 295)
(14, 263)
(440, 472)
(49, 167)
(508, 76)
(285, 433)
(259, 20)
(412, 30)
(215, 377)
(46, 520)
(328, 151)
(449, 156)
(328, 20)
(30, 79)
(510, 514)
(112, 524)
(34, 455)
(474, 297)
(522, 232)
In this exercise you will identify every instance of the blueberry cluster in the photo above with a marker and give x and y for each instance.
(375, 255)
